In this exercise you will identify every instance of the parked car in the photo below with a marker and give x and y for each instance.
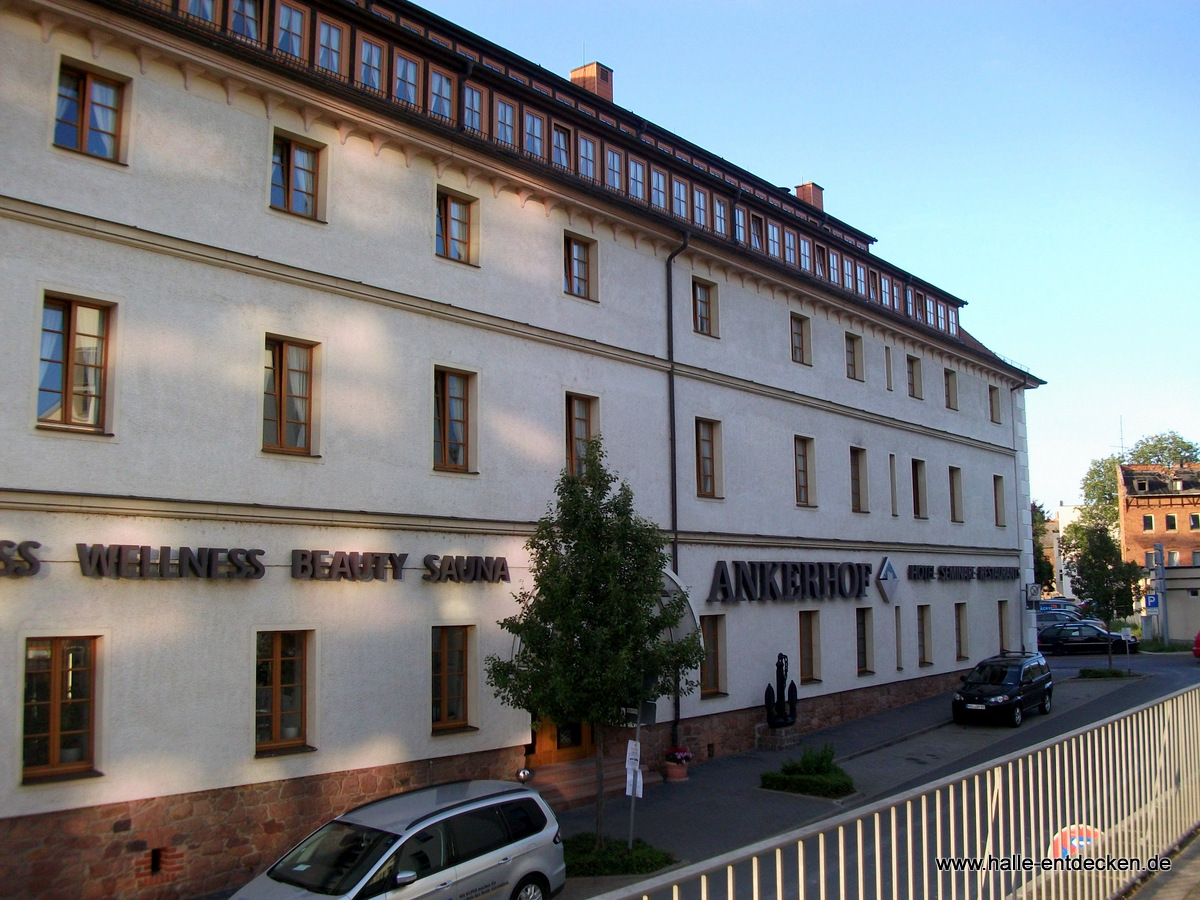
(486, 838)
(1003, 687)
(1058, 603)
(1055, 616)
(1082, 637)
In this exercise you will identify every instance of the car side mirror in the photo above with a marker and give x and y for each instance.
(404, 877)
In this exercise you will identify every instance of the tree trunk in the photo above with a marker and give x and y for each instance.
(598, 735)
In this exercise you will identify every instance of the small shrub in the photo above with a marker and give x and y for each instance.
(1102, 673)
(814, 773)
(612, 857)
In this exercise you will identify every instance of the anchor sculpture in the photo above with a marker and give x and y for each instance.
(779, 715)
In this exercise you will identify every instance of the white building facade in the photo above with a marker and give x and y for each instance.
(306, 306)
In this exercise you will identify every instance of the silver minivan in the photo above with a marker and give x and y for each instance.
(462, 841)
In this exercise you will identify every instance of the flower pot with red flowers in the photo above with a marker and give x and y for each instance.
(675, 766)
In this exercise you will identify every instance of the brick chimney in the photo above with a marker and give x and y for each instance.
(595, 78)
(812, 194)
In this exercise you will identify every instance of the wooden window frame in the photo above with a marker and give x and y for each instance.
(59, 678)
(720, 216)
(960, 632)
(950, 386)
(217, 17)
(999, 504)
(707, 452)
(994, 411)
(579, 271)
(400, 64)
(924, 643)
(445, 243)
(82, 129)
(285, 165)
(500, 103)
(789, 247)
(802, 449)
(860, 279)
(234, 12)
(658, 188)
(277, 348)
(774, 241)
(435, 101)
(441, 673)
(533, 134)
(560, 150)
(809, 663)
(864, 641)
(957, 514)
(700, 207)
(919, 489)
(854, 357)
(835, 267)
(472, 115)
(362, 41)
(801, 331)
(710, 666)
(806, 256)
(912, 369)
(614, 176)
(275, 713)
(305, 14)
(443, 446)
(342, 56)
(71, 363)
(580, 415)
(636, 186)
(680, 200)
(859, 500)
(757, 232)
(704, 308)
(586, 147)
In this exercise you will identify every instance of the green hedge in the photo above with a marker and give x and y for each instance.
(814, 773)
(612, 857)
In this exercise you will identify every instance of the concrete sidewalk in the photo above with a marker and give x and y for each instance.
(721, 807)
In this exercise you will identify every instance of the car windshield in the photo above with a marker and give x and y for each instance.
(333, 859)
(995, 673)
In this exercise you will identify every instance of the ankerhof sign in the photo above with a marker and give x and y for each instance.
(740, 580)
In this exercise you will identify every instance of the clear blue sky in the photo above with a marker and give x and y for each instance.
(1039, 160)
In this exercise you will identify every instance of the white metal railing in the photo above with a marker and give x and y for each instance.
(1120, 794)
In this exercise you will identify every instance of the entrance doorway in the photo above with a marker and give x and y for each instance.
(555, 742)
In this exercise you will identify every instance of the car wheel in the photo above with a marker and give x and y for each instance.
(1017, 716)
(1044, 708)
(531, 887)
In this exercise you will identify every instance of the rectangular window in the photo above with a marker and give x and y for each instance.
(908, 301)
(88, 113)
(804, 456)
(887, 367)
(587, 158)
(59, 707)
(472, 109)
(894, 494)
(205, 10)
(1172, 522)
(912, 366)
(710, 666)
(950, 382)
(1147, 523)
(506, 117)
(704, 308)
(707, 438)
(998, 500)
(577, 267)
(658, 189)
(612, 169)
(789, 248)
(291, 31)
(864, 641)
(924, 636)
(407, 88)
(835, 267)
(562, 147)
(739, 225)
(245, 19)
(579, 431)
(860, 279)
(287, 396)
(449, 671)
(451, 426)
(920, 504)
(960, 631)
(874, 292)
(1172, 557)
(956, 494)
(801, 339)
(854, 357)
(886, 288)
(700, 208)
(848, 271)
(441, 95)
(899, 643)
(941, 316)
(952, 321)
(370, 65)
(294, 177)
(73, 364)
(329, 47)
(805, 255)
(858, 479)
(680, 193)
(756, 232)
(810, 647)
(720, 213)
(929, 310)
(1194, 521)
(637, 180)
(994, 403)
(280, 689)
(534, 137)
(453, 237)
(773, 239)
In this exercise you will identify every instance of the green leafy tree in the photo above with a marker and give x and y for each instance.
(1166, 449)
(593, 630)
(1043, 568)
(1107, 583)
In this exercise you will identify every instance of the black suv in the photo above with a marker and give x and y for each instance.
(1005, 686)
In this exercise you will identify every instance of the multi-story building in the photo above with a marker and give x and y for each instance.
(306, 306)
